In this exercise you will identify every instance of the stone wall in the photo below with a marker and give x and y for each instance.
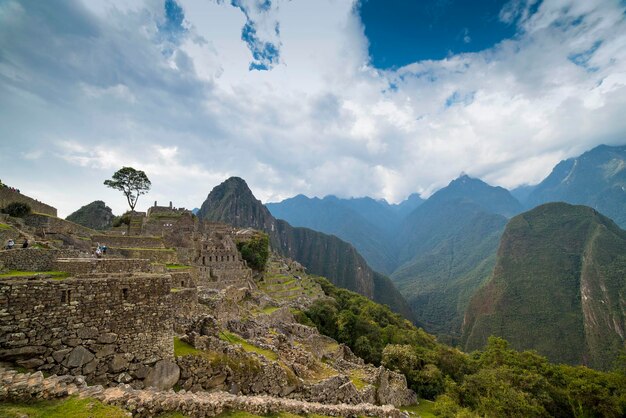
(109, 329)
(33, 259)
(77, 266)
(52, 225)
(8, 196)
(155, 255)
(126, 241)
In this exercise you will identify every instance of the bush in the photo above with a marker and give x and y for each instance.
(121, 220)
(17, 209)
(255, 251)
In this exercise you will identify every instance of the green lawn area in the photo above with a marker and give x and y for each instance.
(236, 339)
(5, 226)
(269, 309)
(181, 348)
(356, 376)
(58, 275)
(423, 408)
(177, 266)
(71, 407)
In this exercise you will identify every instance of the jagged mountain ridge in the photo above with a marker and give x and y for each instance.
(95, 215)
(326, 255)
(558, 287)
(596, 178)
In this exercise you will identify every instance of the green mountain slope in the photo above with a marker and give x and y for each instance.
(558, 287)
(454, 245)
(597, 179)
(326, 255)
(96, 215)
(365, 223)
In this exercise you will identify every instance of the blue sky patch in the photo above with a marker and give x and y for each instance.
(265, 54)
(401, 32)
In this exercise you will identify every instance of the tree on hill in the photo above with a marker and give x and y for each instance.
(133, 183)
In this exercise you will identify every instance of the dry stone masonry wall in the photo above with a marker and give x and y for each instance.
(33, 259)
(111, 329)
(8, 196)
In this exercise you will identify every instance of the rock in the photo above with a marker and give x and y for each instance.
(105, 351)
(22, 352)
(107, 338)
(59, 355)
(32, 363)
(118, 363)
(90, 367)
(216, 380)
(164, 375)
(78, 357)
(87, 333)
(124, 378)
(141, 372)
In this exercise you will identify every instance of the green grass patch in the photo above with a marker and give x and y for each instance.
(177, 266)
(71, 407)
(182, 348)
(5, 227)
(269, 309)
(57, 275)
(356, 376)
(424, 408)
(248, 347)
(175, 289)
(173, 415)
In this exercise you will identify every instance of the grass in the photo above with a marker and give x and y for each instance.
(322, 371)
(250, 348)
(182, 348)
(57, 275)
(177, 266)
(71, 407)
(269, 309)
(356, 376)
(5, 226)
(175, 289)
(423, 408)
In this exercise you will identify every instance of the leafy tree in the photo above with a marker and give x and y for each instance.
(17, 209)
(133, 183)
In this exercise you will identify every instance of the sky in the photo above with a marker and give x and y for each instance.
(377, 98)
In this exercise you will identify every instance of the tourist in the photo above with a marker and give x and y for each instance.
(10, 244)
(103, 247)
(98, 253)
(25, 245)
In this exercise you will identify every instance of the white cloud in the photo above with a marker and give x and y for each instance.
(109, 92)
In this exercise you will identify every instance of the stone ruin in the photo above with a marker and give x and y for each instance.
(114, 320)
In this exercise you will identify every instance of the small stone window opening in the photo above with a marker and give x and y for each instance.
(125, 293)
(182, 283)
(65, 296)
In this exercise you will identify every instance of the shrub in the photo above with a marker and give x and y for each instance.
(17, 209)
(255, 251)
(121, 220)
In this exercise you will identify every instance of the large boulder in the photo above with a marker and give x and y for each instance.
(164, 375)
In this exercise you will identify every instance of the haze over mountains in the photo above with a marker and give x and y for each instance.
(442, 251)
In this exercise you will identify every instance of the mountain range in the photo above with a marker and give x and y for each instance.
(443, 249)
(325, 255)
